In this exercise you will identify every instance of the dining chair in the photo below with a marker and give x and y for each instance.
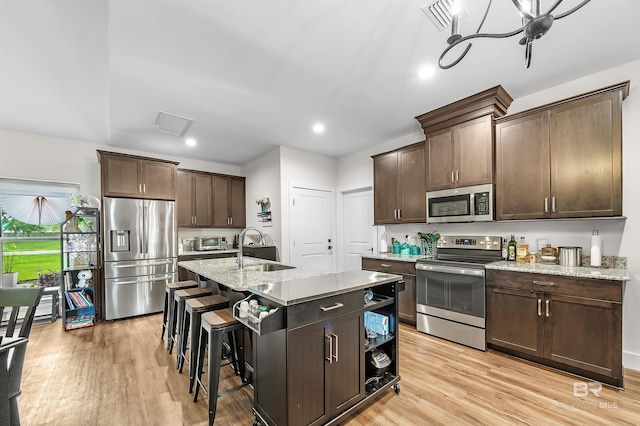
(17, 308)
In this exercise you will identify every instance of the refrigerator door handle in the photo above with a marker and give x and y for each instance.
(145, 229)
(156, 263)
(156, 278)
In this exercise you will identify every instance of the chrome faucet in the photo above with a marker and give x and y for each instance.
(240, 244)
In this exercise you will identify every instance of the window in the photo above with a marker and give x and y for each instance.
(31, 213)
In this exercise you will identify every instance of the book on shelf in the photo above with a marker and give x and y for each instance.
(77, 299)
(70, 325)
(71, 305)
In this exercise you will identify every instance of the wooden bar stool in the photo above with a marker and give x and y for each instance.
(169, 290)
(179, 297)
(212, 330)
(193, 310)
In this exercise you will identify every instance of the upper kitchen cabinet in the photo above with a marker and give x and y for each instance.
(194, 199)
(562, 160)
(398, 186)
(460, 140)
(229, 204)
(137, 177)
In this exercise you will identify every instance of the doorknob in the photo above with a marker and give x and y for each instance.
(330, 247)
(371, 249)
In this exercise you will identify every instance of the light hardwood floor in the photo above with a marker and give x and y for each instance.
(120, 373)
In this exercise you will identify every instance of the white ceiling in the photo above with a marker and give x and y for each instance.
(255, 74)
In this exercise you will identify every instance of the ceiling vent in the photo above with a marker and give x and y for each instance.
(171, 124)
(439, 12)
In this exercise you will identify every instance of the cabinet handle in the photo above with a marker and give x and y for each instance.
(144, 188)
(140, 188)
(230, 221)
(546, 303)
(457, 176)
(399, 214)
(332, 307)
(330, 357)
(546, 204)
(453, 176)
(553, 204)
(385, 265)
(545, 283)
(539, 307)
(336, 355)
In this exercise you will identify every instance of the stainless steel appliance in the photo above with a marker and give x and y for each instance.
(207, 243)
(140, 255)
(467, 204)
(450, 291)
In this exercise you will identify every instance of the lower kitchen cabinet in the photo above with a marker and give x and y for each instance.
(406, 298)
(574, 324)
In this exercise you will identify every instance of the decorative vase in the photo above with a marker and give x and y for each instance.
(9, 279)
(263, 208)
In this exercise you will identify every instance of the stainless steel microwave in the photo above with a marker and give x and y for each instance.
(207, 243)
(467, 204)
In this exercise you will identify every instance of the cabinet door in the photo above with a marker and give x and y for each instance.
(439, 160)
(120, 176)
(347, 367)
(385, 188)
(586, 157)
(584, 333)
(203, 200)
(220, 202)
(473, 152)
(522, 168)
(407, 300)
(237, 203)
(308, 375)
(184, 199)
(412, 201)
(159, 180)
(515, 320)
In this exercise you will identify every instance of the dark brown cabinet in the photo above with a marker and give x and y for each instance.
(194, 200)
(229, 204)
(398, 186)
(407, 298)
(460, 140)
(570, 323)
(137, 177)
(562, 160)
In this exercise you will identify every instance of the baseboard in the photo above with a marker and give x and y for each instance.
(631, 360)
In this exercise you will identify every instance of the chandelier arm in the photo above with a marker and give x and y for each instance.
(486, 12)
(525, 13)
(466, 50)
(570, 11)
(552, 8)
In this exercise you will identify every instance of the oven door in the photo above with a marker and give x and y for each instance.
(453, 293)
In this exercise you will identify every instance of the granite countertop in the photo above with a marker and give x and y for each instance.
(616, 274)
(203, 252)
(285, 287)
(391, 256)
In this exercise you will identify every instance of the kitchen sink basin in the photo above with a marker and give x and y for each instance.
(269, 267)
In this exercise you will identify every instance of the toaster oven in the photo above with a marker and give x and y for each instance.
(208, 243)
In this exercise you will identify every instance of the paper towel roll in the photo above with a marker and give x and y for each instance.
(596, 249)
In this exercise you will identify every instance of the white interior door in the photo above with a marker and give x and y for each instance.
(311, 228)
(359, 232)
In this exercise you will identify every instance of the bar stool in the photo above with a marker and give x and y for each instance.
(193, 310)
(212, 330)
(178, 312)
(169, 290)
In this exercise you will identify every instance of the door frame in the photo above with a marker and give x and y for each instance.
(341, 246)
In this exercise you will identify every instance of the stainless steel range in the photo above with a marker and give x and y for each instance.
(450, 291)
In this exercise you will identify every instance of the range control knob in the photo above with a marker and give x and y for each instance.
(495, 242)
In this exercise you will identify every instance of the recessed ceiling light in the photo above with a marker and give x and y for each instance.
(190, 142)
(426, 72)
(318, 128)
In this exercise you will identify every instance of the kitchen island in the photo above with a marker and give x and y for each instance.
(312, 360)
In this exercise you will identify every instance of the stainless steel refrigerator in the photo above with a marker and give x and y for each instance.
(140, 255)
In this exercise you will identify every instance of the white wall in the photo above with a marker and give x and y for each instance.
(620, 237)
(263, 179)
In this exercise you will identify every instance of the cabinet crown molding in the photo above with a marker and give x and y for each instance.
(494, 101)
(137, 157)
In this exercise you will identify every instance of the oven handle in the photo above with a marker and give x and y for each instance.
(450, 270)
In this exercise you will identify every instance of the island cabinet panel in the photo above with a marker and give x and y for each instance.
(574, 324)
(137, 177)
(562, 160)
(398, 186)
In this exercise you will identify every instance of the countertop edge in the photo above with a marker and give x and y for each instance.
(613, 274)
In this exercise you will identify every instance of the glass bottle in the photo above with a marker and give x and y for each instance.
(511, 249)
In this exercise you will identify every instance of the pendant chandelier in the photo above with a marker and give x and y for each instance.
(535, 24)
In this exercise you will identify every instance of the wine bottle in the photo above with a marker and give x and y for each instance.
(512, 249)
